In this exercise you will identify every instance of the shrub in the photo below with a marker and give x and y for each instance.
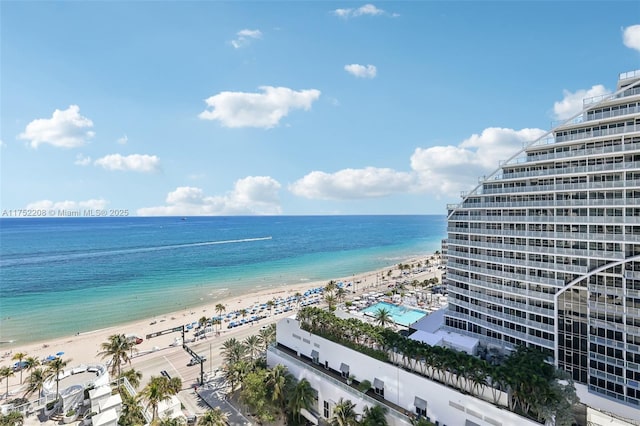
(51, 404)
(71, 413)
(18, 401)
(364, 386)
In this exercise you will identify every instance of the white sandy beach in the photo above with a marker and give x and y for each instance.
(83, 348)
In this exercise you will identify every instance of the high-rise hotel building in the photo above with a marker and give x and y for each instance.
(545, 252)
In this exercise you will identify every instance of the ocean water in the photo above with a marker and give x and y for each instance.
(59, 276)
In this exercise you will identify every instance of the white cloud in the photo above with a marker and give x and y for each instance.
(264, 110)
(631, 37)
(253, 195)
(244, 38)
(449, 169)
(366, 10)
(348, 184)
(135, 162)
(123, 140)
(67, 204)
(82, 160)
(65, 129)
(361, 71)
(571, 104)
(440, 170)
(2, 144)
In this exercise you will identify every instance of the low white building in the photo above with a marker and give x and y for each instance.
(106, 418)
(329, 366)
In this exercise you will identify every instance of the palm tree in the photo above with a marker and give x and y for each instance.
(232, 351)
(235, 373)
(278, 380)
(374, 416)
(202, 322)
(215, 417)
(5, 373)
(330, 287)
(30, 363)
(217, 321)
(19, 356)
(131, 411)
(267, 336)
(270, 305)
(157, 390)
(302, 396)
(35, 381)
(341, 293)
(118, 348)
(220, 309)
(331, 301)
(54, 368)
(133, 377)
(168, 421)
(382, 317)
(252, 343)
(344, 413)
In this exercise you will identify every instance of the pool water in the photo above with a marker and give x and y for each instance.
(400, 314)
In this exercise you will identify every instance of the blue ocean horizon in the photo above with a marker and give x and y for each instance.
(61, 276)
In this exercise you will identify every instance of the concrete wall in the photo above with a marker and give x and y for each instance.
(604, 406)
(444, 404)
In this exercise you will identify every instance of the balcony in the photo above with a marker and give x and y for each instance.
(597, 168)
(598, 133)
(584, 186)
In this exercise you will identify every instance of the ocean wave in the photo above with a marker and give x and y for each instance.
(117, 252)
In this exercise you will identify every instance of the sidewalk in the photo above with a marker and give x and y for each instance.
(213, 394)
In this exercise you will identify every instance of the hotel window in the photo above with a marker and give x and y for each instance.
(326, 412)
(378, 387)
(344, 370)
(421, 406)
(314, 403)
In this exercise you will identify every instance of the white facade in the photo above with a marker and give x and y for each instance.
(403, 392)
(98, 396)
(545, 252)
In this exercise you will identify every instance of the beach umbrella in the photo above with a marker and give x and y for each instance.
(60, 354)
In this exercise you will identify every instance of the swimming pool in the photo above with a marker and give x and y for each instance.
(400, 314)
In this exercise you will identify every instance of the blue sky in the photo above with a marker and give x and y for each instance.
(293, 108)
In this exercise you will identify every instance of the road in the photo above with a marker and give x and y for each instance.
(174, 360)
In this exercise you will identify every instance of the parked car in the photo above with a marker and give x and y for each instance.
(133, 338)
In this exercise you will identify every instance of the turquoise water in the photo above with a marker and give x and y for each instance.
(60, 276)
(400, 314)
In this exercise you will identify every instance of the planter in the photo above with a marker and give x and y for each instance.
(86, 420)
(50, 408)
(70, 418)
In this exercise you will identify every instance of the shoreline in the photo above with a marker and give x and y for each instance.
(122, 308)
(80, 310)
(82, 347)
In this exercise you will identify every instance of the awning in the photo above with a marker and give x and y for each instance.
(378, 384)
(420, 403)
(315, 354)
(344, 368)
